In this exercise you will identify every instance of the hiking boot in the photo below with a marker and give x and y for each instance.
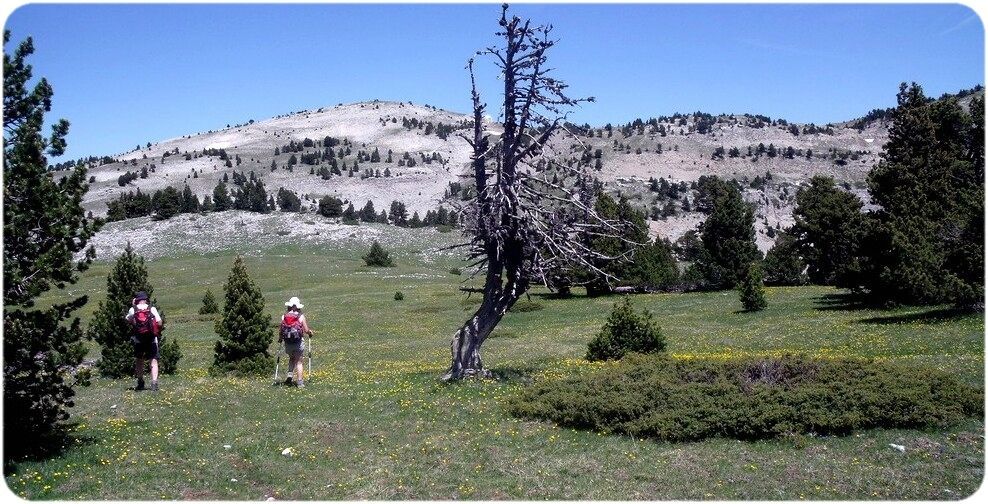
(288, 381)
(140, 385)
(301, 385)
(154, 386)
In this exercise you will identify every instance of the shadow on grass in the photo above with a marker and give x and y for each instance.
(843, 301)
(19, 448)
(519, 373)
(506, 373)
(928, 317)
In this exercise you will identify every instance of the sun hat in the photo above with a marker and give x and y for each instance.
(294, 301)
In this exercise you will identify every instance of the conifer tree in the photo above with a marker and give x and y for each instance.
(208, 304)
(190, 202)
(728, 238)
(349, 215)
(221, 197)
(783, 263)
(166, 203)
(243, 329)
(377, 256)
(828, 231)
(751, 290)
(44, 225)
(368, 214)
(929, 188)
(109, 328)
(633, 233)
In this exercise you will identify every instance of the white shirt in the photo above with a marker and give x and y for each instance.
(154, 313)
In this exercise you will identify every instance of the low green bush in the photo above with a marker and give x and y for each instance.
(399, 296)
(625, 331)
(169, 355)
(455, 271)
(748, 398)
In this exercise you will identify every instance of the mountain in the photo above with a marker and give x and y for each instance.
(770, 158)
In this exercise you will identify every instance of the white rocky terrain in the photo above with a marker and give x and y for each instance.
(769, 158)
(366, 126)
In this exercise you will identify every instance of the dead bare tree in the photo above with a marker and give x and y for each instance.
(521, 226)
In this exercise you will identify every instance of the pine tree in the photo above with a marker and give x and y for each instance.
(243, 329)
(167, 203)
(109, 328)
(653, 266)
(728, 238)
(190, 202)
(929, 188)
(349, 215)
(221, 198)
(368, 214)
(828, 231)
(44, 226)
(783, 263)
(377, 256)
(208, 304)
(750, 289)
(330, 206)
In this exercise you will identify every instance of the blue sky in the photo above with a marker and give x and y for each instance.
(128, 74)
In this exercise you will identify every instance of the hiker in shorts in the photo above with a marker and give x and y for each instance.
(293, 328)
(146, 323)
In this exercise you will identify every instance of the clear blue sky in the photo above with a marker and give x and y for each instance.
(128, 74)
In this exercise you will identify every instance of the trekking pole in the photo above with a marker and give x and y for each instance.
(310, 357)
(276, 367)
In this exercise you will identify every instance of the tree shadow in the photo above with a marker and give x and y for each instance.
(506, 373)
(927, 317)
(843, 301)
(555, 295)
(21, 447)
(519, 373)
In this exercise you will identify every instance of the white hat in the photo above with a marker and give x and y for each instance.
(294, 301)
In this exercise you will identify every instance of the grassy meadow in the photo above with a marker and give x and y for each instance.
(374, 421)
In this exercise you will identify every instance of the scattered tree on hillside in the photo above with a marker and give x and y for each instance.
(378, 257)
(244, 330)
(44, 225)
(209, 304)
(751, 290)
(828, 231)
(330, 206)
(927, 241)
(221, 198)
(109, 328)
(783, 263)
(728, 238)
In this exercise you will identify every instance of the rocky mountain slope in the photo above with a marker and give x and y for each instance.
(412, 153)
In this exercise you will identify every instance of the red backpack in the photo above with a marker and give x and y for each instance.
(145, 325)
(291, 327)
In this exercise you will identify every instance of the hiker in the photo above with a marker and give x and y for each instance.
(293, 328)
(146, 323)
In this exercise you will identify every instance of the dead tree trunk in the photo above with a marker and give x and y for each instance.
(519, 225)
(465, 347)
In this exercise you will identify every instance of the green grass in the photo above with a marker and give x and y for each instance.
(375, 423)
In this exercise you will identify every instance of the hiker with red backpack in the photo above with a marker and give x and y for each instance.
(293, 328)
(146, 323)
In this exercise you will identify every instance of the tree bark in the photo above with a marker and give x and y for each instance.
(465, 346)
